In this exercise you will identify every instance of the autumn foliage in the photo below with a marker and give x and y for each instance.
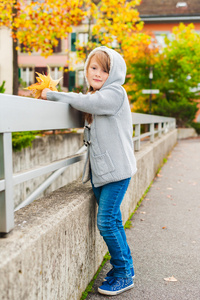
(114, 24)
(176, 73)
(38, 25)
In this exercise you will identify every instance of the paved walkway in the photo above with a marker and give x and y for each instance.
(165, 237)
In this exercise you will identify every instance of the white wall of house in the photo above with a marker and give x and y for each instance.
(6, 68)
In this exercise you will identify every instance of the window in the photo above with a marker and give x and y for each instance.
(83, 38)
(160, 37)
(58, 49)
(160, 40)
(80, 78)
(27, 75)
(69, 79)
(56, 73)
(181, 4)
(24, 48)
(114, 43)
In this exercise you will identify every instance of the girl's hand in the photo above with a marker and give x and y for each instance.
(44, 93)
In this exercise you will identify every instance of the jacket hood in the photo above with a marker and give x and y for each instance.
(117, 72)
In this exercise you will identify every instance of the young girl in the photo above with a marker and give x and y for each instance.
(110, 161)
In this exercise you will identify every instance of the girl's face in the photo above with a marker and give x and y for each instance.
(96, 76)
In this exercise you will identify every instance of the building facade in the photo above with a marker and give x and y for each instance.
(160, 17)
(6, 58)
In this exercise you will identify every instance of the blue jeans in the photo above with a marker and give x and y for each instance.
(109, 222)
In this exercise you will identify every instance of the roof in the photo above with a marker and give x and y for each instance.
(169, 8)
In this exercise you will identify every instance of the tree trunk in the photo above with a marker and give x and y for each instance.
(15, 53)
(85, 87)
(15, 68)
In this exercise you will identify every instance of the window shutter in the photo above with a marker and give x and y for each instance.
(19, 73)
(73, 41)
(65, 78)
(95, 39)
(72, 80)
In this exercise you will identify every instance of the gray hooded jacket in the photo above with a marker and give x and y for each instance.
(110, 152)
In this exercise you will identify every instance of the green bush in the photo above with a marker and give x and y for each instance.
(183, 110)
(78, 89)
(22, 83)
(2, 89)
(23, 139)
(196, 126)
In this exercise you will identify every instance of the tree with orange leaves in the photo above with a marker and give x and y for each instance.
(38, 25)
(116, 24)
(176, 73)
(139, 69)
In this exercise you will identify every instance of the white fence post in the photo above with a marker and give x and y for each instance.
(6, 173)
(165, 127)
(152, 132)
(159, 130)
(137, 134)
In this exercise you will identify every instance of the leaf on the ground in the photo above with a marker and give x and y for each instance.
(159, 175)
(179, 181)
(172, 278)
(164, 227)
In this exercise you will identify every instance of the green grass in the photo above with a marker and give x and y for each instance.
(164, 162)
(89, 288)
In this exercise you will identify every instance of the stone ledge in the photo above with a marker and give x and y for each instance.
(55, 248)
(184, 133)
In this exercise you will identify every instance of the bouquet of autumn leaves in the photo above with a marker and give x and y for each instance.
(44, 81)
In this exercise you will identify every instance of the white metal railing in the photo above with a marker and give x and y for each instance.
(163, 125)
(26, 114)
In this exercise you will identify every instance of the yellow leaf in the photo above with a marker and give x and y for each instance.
(170, 279)
(43, 83)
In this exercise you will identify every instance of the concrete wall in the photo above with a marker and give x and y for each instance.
(55, 248)
(46, 149)
(6, 58)
(184, 133)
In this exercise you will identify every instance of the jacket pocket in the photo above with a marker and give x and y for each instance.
(102, 164)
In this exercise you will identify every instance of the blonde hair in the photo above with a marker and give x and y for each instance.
(103, 60)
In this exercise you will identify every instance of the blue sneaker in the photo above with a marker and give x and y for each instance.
(115, 286)
(110, 274)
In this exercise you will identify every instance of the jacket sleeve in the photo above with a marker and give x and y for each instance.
(105, 102)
